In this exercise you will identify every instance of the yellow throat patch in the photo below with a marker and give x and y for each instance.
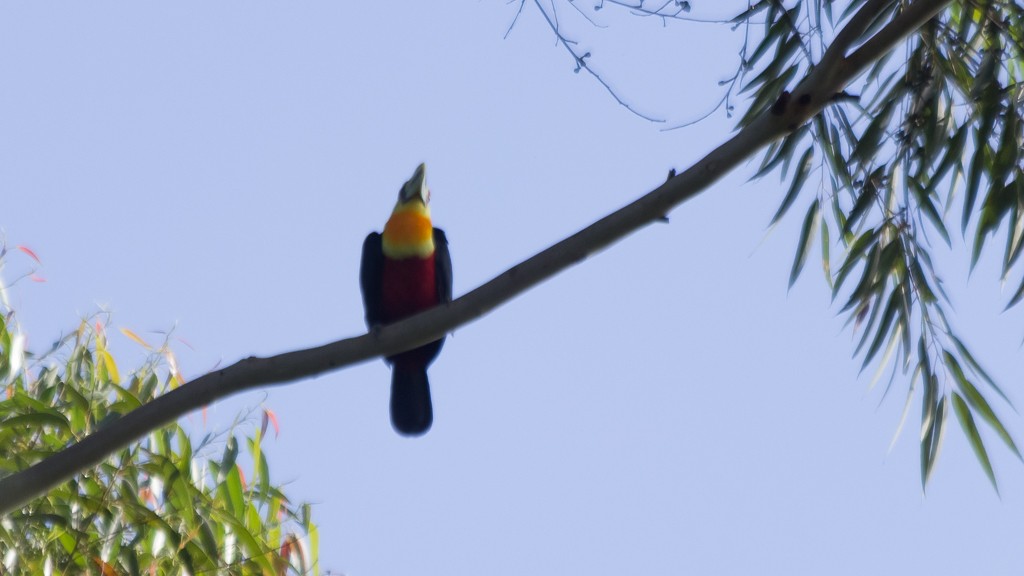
(409, 232)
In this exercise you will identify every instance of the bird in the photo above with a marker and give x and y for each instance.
(405, 270)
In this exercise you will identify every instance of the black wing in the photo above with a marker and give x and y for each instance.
(370, 275)
(442, 266)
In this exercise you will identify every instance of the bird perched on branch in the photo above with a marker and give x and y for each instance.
(406, 270)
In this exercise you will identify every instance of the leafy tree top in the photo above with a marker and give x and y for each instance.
(166, 504)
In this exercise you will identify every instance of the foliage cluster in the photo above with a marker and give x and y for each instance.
(164, 505)
(936, 132)
(930, 142)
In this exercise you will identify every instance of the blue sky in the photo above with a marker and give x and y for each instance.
(665, 407)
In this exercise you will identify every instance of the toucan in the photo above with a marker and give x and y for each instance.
(406, 270)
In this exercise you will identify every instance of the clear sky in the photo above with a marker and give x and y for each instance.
(666, 407)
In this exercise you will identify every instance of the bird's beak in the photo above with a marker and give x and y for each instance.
(416, 187)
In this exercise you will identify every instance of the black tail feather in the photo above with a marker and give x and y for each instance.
(411, 410)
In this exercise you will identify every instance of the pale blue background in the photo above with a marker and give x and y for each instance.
(664, 408)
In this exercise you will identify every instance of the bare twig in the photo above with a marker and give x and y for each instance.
(737, 78)
(512, 25)
(581, 58)
(641, 9)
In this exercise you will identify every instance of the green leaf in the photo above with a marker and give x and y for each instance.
(768, 94)
(963, 415)
(248, 542)
(1017, 296)
(869, 142)
(933, 428)
(978, 369)
(883, 328)
(867, 196)
(782, 152)
(1015, 234)
(1007, 156)
(227, 461)
(953, 155)
(976, 170)
(774, 35)
(36, 420)
(868, 238)
(804, 244)
(883, 88)
(905, 310)
(978, 402)
(181, 496)
(129, 400)
(193, 556)
(233, 487)
(924, 202)
(184, 459)
(803, 169)
(999, 202)
(149, 386)
(207, 541)
(921, 284)
(263, 470)
(830, 144)
(888, 262)
(867, 285)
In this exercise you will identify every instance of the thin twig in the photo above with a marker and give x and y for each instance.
(516, 19)
(642, 10)
(581, 64)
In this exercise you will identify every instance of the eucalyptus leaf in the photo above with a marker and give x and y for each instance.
(963, 415)
(805, 241)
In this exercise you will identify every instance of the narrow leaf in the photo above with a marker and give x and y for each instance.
(860, 207)
(782, 152)
(978, 369)
(30, 253)
(954, 153)
(978, 402)
(803, 168)
(924, 201)
(869, 142)
(138, 340)
(853, 257)
(1017, 296)
(933, 425)
(804, 244)
(963, 415)
(110, 365)
(974, 174)
(36, 420)
(883, 328)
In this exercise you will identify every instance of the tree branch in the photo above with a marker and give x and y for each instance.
(853, 30)
(813, 93)
(912, 18)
